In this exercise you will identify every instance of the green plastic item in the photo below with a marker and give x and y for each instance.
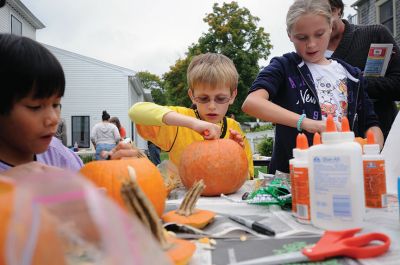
(276, 192)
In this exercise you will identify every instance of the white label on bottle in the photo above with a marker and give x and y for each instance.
(332, 187)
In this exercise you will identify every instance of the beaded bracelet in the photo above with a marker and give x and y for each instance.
(302, 116)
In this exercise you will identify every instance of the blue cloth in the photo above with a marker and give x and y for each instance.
(103, 147)
(154, 153)
(290, 85)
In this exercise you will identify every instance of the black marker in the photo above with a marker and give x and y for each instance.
(256, 226)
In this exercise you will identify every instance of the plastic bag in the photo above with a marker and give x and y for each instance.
(170, 175)
(62, 217)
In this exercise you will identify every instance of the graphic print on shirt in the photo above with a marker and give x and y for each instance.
(332, 97)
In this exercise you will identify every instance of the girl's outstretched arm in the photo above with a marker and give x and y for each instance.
(258, 105)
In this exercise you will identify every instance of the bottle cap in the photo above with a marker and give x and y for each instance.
(331, 135)
(302, 144)
(371, 148)
(316, 139)
(348, 136)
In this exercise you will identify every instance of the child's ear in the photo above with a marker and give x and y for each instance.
(234, 94)
(190, 93)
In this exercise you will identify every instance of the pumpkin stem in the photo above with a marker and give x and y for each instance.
(139, 204)
(189, 201)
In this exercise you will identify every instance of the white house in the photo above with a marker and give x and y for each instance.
(16, 18)
(91, 85)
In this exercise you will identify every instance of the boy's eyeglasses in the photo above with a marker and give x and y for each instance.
(218, 100)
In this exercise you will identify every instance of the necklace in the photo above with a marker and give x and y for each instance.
(223, 124)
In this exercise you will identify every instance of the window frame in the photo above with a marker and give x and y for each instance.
(378, 5)
(81, 143)
(14, 18)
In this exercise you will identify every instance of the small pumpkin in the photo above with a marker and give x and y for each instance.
(111, 173)
(221, 163)
(43, 252)
(187, 214)
(179, 251)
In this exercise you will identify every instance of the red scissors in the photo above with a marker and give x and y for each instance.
(332, 244)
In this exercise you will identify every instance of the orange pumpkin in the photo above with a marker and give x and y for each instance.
(48, 248)
(111, 173)
(221, 163)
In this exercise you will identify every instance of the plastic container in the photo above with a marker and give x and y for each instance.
(336, 181)
(374, 174)
(291, 173)
(300, 182)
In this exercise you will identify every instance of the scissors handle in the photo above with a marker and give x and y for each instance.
(344, 243)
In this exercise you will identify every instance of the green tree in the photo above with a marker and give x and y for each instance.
(155, 84)
(233, 31)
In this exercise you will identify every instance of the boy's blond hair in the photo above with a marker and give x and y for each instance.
(212, 69)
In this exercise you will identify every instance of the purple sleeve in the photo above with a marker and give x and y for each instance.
(59, 156)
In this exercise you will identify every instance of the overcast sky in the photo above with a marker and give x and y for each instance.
(145, 35)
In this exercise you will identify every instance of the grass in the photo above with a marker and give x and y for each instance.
(263, 169)
(163, 156)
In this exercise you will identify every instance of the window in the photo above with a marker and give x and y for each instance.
(81, 131)
(385, 14)
(16, 26)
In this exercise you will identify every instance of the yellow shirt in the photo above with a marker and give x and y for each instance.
(174, 139)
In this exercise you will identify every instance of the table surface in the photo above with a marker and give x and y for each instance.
(376, 220)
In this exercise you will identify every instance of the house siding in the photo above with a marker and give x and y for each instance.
(93, 86)
(366, 11)
(5, 22)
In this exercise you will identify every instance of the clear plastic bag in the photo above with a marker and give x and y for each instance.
(61, 218)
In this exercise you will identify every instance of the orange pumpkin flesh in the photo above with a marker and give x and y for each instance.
(111, 173)
(221, 163)
(43, 253)
(181, 251)
(199, 219)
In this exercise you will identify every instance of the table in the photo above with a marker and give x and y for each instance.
(262, 161)
(376, 220)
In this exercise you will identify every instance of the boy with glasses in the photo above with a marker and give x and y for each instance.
(212, 80)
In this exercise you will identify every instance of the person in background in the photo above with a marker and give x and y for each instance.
(298, 90)
(61, 132)
(154, 153)
(104, 135)
(351, 43)
(121, 129)
(212, 80)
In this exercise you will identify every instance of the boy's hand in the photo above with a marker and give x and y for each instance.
(237, 137)
(208, 130)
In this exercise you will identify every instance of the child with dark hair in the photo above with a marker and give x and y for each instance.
(32, 83)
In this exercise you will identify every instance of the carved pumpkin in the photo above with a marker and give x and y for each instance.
(111, 173)
(221, 163)
(48, 248)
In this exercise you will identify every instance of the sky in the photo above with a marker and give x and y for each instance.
(146, 35)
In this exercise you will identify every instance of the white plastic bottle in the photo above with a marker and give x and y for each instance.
(300, 181)
(374, 174)
(292, 184)
(336, 181)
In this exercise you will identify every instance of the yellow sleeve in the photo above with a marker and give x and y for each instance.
(148, 113)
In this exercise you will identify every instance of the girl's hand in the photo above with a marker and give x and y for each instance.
(237, 137)
(313, 126)
(208, 130)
